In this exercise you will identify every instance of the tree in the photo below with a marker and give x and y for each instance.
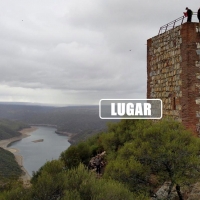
(165, 150)
(74, 155)
(84, 185)
(14, 190)
(50, 181)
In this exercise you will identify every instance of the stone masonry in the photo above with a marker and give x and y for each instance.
(173, 73)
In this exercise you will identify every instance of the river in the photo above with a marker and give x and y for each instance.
(36, 154)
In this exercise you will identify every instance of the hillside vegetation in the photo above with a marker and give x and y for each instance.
(9, 169)
(9, 129)
(141, 155)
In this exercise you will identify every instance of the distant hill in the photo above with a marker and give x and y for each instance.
(9, 129)
(80, 120)
(8, 166)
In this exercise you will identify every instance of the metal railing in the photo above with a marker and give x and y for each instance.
(173, 24)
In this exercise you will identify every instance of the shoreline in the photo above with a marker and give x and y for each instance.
(69, 135)
(26, 177)
(24, 133)
(19, 159)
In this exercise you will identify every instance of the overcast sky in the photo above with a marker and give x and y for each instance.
(78, 52)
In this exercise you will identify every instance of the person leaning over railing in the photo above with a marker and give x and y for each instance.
(188, 14)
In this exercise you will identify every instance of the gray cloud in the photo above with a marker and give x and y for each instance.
(78, 51)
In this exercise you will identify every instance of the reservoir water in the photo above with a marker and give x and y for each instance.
(36, 154)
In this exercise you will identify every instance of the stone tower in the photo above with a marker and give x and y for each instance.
(173, 73)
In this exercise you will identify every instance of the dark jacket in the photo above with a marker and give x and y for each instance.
(189, 13)
(198, 14)
(98, 161)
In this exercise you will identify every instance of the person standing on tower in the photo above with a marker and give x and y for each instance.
(188, 14)
(198, 15)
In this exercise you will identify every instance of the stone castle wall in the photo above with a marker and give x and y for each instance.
(173, 73)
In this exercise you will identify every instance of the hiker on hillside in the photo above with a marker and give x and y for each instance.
(198, 15)
(98, 164)
(188, 14)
